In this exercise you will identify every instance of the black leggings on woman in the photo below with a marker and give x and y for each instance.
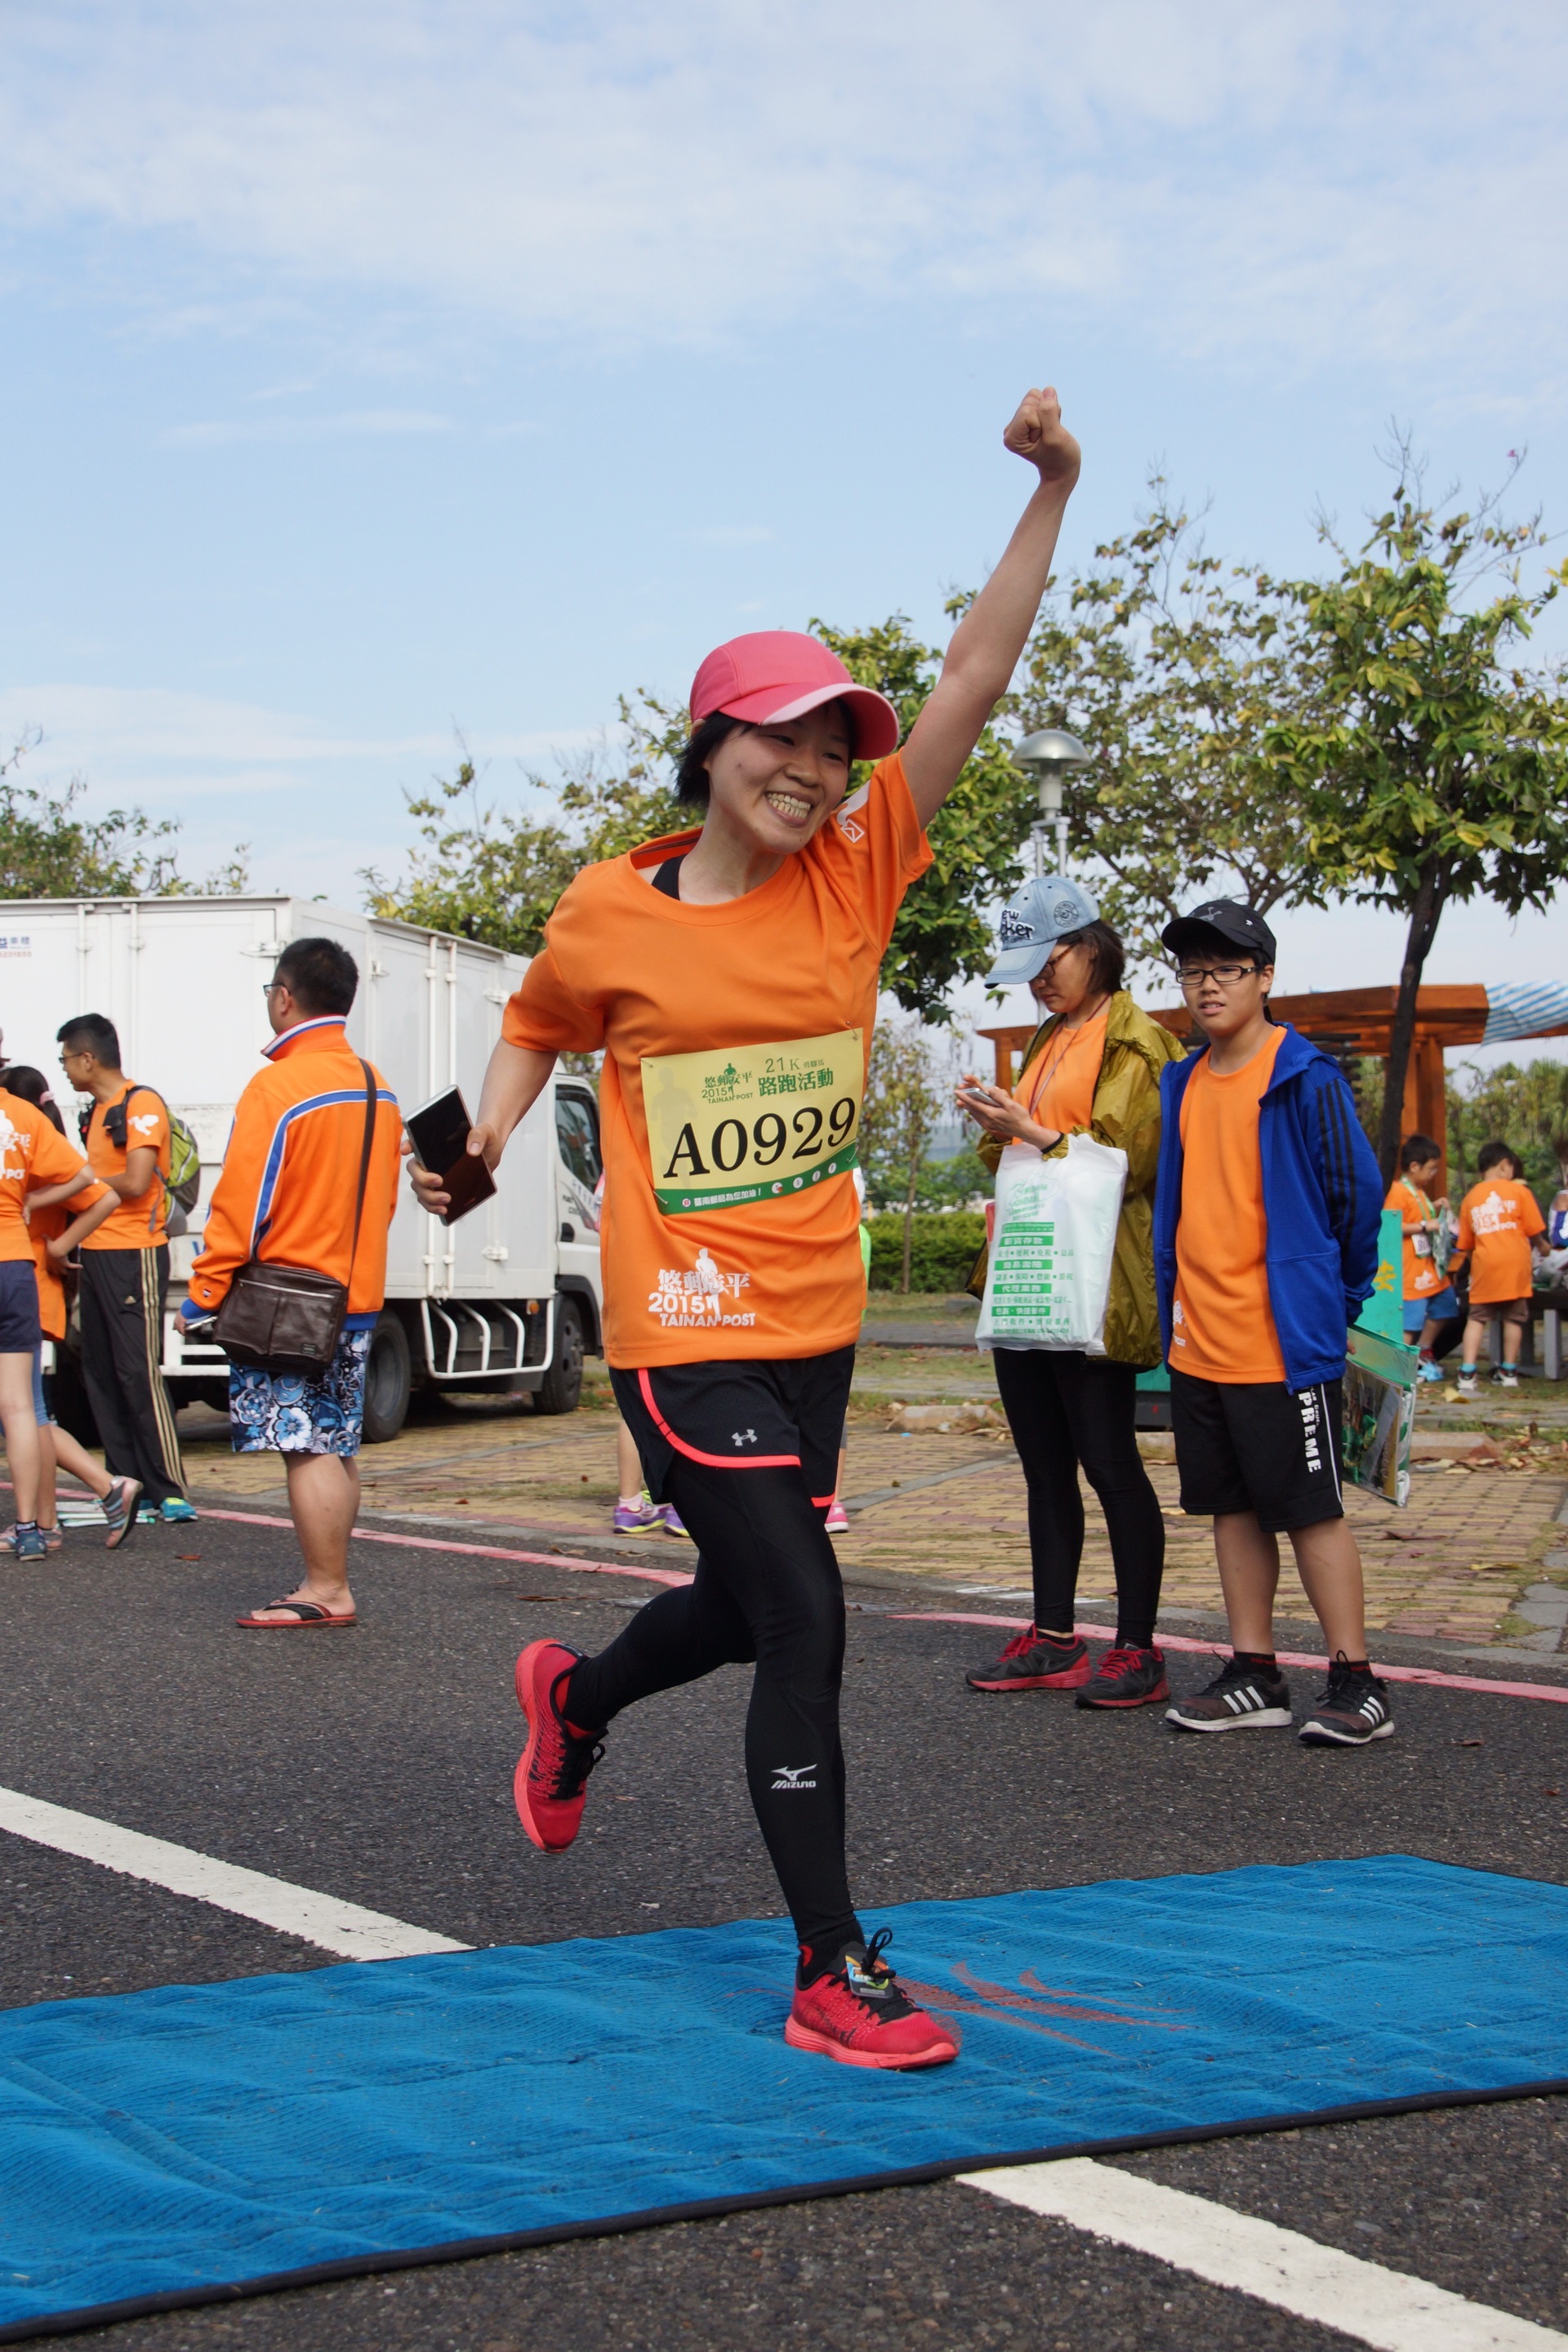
(767, 1591)
(1065, 1409)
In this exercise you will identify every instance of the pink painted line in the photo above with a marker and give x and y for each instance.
(478, 1551)
(1556, 1691)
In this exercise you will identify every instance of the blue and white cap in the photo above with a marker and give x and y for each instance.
(1033, 919)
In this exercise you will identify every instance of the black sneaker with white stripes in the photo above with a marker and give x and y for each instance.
(1352, 1710)
(1240, 1698)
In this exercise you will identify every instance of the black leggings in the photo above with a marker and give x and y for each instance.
(1064, 1408)
(766, 1590)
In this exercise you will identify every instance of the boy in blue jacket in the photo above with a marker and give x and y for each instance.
(1265, 1242)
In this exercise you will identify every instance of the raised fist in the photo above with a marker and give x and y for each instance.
(1037, 433)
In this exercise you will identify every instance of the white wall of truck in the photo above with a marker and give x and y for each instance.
(506, 1298)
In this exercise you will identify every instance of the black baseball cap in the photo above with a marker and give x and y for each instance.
(1238, 924)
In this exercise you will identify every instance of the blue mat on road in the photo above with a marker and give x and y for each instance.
(161, 2144)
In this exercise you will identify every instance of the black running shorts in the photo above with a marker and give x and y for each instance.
(1259, 1446)
(741, 1414)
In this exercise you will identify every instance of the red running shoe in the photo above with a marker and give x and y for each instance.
(1032, 1660)
(857, 2014)
(550, 1782)
(1127, 1676)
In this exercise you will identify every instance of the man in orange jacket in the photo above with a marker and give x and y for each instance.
(287, 1195)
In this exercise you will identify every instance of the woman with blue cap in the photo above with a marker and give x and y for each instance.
(1092, 1069)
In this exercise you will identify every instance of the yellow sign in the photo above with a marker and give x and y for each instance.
(752, 1122)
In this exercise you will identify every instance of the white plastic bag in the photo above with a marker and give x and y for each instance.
(1049, 1275)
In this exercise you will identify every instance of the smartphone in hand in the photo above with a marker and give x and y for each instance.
(438, 1131)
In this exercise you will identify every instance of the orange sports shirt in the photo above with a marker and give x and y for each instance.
(45, 1226)
(736, 1040)
(290, 1170)
(1057, 1088)
(140, 1223)
(1222, 1324)
(1497, 1218)
(1421, 1275)
(34, 1155)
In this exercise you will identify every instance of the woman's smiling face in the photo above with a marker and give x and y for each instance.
(777, 784)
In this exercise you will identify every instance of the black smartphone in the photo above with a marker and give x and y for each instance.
(438, 1131)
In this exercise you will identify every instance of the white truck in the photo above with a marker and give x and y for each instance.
(509, 1297)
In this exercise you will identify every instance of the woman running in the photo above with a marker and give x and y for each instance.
(730, 972)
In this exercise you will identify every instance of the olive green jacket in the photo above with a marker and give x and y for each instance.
(1126, 1114)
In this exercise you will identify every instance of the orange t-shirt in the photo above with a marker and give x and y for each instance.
(1222, 1324)
(33, 1154)
(1421, 1275)
(1497, 1218)
(736, 1044)
(45, 1225)
(140, 1223)
(1057, 1088)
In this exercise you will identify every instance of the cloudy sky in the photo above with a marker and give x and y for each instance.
(372, 370)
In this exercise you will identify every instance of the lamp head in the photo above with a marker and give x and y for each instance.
(1049, 756)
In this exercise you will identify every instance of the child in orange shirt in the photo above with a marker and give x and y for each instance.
(1429, 1299)
(1500, 1226)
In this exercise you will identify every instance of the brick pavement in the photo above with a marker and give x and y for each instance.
(1450, 1565)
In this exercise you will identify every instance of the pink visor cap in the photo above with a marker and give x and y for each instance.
(777, 673)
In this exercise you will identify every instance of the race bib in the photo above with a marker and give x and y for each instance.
(752, 1122)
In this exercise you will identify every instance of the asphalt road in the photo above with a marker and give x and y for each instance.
(376, 1765)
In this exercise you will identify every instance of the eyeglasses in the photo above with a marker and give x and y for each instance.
(271, 987)
(1226, 975)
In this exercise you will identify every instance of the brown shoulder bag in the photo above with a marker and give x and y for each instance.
(290, 1318)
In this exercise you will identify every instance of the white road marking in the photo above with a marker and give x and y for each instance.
(345, 1928)
(1360, 2299)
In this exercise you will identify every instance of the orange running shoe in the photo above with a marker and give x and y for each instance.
(857, 2014)
(550, 1781)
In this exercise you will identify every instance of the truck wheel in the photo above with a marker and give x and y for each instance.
(388, 1381)
(562, 1383)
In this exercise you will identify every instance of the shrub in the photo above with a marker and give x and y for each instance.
(944, 1245)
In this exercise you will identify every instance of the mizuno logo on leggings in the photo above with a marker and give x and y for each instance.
(790, 1777)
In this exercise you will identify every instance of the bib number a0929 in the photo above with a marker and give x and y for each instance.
(750, 1123)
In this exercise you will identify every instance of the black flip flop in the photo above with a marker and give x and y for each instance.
(306, 1617)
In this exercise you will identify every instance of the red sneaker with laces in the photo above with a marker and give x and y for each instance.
(857, 2015)
(1033, 1661)
(1127, 1676)
(550, 1781)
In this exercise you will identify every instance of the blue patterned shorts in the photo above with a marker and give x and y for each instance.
(283, 1413)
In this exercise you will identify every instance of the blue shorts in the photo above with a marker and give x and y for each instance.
(20, 1329)
(283, 1413)
(1438, 1306)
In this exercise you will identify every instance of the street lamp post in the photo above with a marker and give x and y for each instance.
(1049, 757)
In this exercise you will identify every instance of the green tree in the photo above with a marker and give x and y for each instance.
(1526, 1108)
(484, 873)
(1432, 771)
(494, 874)
(1171, 666)
(904, 1101)
(49, 850)
(944, 932)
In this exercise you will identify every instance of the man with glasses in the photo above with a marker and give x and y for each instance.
(1266, 1214)
(125, 1279)
(310, 1180)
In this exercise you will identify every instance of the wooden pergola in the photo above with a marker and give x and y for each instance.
(1348, 1022)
